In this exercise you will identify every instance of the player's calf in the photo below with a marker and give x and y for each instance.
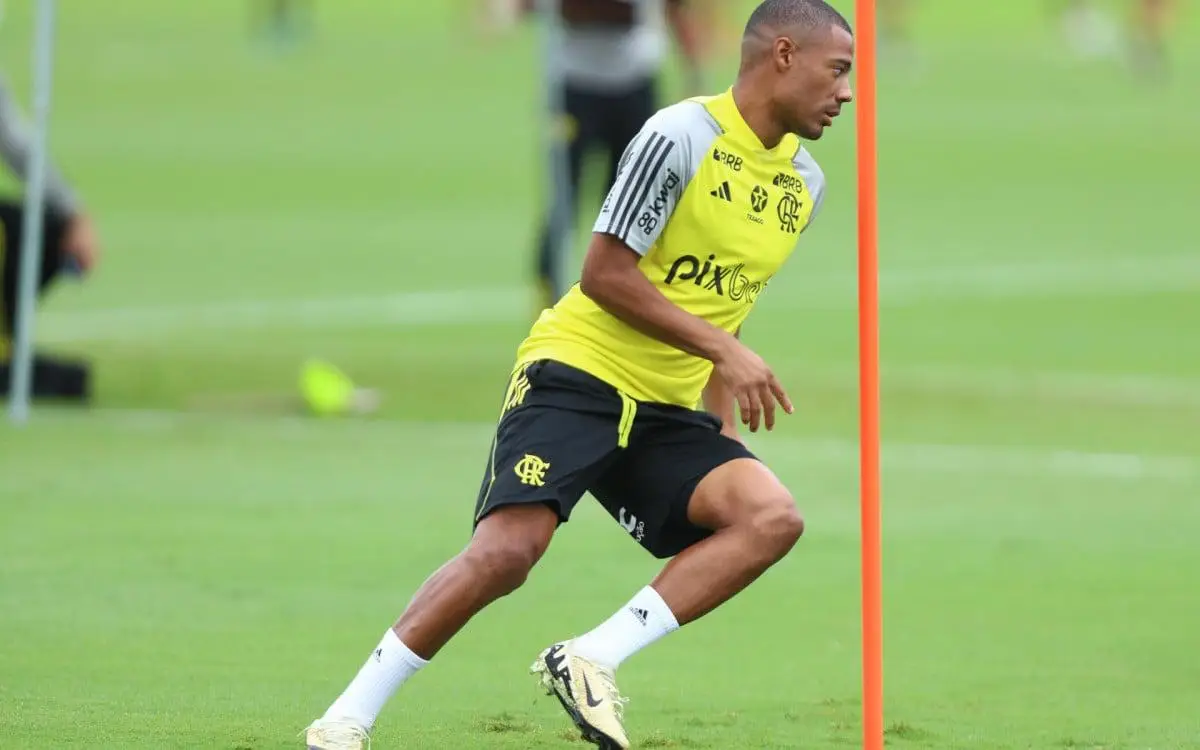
(505, 547)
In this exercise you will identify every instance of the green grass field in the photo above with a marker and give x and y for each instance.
(194, 564)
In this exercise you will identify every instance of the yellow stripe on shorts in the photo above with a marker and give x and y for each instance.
(625, 426)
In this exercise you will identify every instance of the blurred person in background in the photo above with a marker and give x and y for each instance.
(1093, 33)
(69, 246)
(1151, 28)
(611, 57)
(895, 41)
(280, 22)
(1090, 30)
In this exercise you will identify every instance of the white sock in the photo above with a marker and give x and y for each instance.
(387, 668)
(642, 621)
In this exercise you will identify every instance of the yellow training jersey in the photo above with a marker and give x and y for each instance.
(714, 214)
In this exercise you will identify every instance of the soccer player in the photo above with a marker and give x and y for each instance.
(627, 387)
(895, 32)
(611, 55)
(1151, 25)
(1093, 33)
(69, 244)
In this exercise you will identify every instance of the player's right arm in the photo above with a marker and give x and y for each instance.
(612, 280)
(718, 401)
(653, 174)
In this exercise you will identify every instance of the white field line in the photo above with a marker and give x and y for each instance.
(999, 460)
(816, 291)
(1100, 389)
(1040, 462)
(404, 309)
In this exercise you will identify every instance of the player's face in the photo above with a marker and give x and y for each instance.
(815, 80)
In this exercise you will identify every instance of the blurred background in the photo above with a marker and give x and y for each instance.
(194, 560)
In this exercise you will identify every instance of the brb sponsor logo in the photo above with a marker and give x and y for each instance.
(733, 161)
(653, 215)
(788, 182)
(725, 281)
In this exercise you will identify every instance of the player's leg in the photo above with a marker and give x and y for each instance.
(578, 126)
(681, 490)
(628, 112)
(756, 523)
(550, 444)
(739, 521)
(504, 548)
(280, 20)
(1151, 23)
(895, 28)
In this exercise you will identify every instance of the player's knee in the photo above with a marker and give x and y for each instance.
(777, 523)
(508, 543)
(505, 563)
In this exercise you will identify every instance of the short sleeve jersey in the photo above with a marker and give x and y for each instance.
(714, 215)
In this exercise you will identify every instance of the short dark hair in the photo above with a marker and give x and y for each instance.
(807, 14)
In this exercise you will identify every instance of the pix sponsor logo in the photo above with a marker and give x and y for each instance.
(725, 281)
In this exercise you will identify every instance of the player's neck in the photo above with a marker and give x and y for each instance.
(755, 109)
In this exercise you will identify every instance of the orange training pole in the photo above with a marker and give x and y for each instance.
(868, 335)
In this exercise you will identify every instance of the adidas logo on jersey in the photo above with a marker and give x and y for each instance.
(722, 192)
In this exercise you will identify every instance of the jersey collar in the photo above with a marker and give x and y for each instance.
(725, 111)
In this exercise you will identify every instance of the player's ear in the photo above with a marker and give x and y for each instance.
(784, 51)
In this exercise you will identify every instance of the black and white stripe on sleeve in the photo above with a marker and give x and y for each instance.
(645, 191)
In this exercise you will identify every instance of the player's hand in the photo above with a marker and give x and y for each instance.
(752, 383)
(81, 242)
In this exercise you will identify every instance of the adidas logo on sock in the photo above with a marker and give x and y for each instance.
(640, 614)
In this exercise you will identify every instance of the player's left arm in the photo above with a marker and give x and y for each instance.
(719, 401)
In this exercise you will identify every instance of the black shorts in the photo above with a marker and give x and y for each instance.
(603, 122)
(12, 225)
(563, 432)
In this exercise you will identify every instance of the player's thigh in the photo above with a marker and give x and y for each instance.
(651, 488)
(553, 439)
(742, 491)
